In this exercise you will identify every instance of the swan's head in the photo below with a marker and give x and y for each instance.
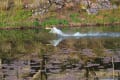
(52, 30)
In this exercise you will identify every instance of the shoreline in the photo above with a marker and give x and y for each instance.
(72, 25)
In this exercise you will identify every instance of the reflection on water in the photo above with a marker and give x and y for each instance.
(18, 69)
(28, 55)
(79, 65)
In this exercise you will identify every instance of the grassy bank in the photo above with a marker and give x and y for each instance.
(17, 17)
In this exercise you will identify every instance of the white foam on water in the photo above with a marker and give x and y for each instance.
(78, 35)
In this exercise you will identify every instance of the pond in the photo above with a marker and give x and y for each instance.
(86, 53)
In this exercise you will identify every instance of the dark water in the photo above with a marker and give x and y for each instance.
(32, 54)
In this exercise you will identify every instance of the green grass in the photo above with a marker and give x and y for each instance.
(75, 17)
(103, 16)
(36, 23)
(54, 21)
(17, 17)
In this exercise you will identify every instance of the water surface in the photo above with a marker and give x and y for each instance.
(91, 54)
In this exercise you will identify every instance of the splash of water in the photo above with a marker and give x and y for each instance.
(78, 35)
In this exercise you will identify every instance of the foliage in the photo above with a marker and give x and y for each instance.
(36, 23)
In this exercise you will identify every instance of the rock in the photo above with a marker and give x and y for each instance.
(93, 8)
(92, 11)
